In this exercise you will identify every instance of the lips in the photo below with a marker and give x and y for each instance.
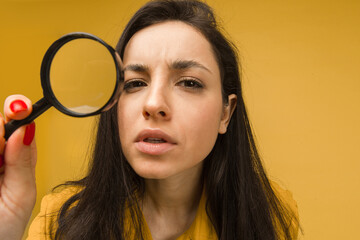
(149, 135)
(154, 142)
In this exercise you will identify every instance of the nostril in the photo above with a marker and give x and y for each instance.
(146, 114)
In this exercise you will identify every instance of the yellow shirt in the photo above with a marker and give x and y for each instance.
(200, 229)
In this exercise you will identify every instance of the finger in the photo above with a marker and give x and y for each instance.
(20, 159)
(17, 107)
(18, 187)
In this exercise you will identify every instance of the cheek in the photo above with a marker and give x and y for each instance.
(202, 125)
(121, 118)
(126, 116)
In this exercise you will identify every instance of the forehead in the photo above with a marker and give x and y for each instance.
(170, 41)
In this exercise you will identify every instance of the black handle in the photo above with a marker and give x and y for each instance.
(38, 108)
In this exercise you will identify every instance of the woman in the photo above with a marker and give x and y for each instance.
(174, 159)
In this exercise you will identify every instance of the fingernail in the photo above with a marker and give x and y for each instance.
(1, 161)
(18, 106)
(29, 134)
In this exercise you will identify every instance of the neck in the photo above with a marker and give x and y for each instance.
(170, 205)
(176, 193)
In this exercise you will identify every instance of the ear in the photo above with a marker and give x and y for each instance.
(228, 110)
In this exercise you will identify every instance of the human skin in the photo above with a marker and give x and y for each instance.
(193, 116)
(17, 176)
(171, 84)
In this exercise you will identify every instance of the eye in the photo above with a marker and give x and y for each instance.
(190, 83)
(132, 85)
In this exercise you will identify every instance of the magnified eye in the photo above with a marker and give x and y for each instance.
(132, 85)
(190, 83)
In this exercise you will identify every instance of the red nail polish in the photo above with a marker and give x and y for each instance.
(29, 134)
(18, 106)
(1, 161)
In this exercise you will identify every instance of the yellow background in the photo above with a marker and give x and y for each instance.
(301, 62)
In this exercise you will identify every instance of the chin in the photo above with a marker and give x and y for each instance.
(152, 171)
(152, 174)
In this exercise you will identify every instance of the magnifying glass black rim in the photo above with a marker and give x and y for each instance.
(45, 73)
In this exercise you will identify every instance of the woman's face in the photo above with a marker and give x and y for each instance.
(171, 110)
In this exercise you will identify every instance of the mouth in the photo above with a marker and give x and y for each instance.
(154, 142)
(152, 135)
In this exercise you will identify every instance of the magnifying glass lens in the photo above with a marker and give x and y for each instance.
(80, 76)
(83, 76)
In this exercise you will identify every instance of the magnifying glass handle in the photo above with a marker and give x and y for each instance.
(38, 108)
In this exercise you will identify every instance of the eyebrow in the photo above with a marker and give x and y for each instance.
(178, 64)
(136, 68)
(186, 64)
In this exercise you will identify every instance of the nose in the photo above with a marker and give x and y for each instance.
(157, 103)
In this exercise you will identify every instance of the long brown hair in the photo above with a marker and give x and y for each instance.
(241, 203)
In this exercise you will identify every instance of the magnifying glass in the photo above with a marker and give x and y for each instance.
(80, 76)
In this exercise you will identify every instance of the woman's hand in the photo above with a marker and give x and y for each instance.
(17, 170)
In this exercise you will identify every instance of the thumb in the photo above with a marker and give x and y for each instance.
(19, 167)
